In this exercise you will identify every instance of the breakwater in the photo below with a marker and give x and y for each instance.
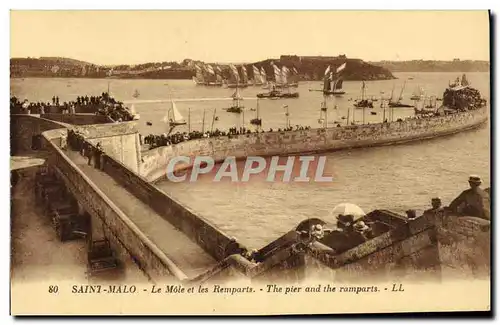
(408, 244)
(154, 162)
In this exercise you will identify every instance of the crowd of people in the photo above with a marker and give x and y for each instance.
(463, 99)
(155, 141)
(101, 105)
(26, 107)
(76, 141)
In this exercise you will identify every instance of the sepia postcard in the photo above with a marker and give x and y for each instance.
(249, 162)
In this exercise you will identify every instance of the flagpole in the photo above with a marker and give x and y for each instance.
(213, 121)
(326, 117)
(203, 123)
(189, 120)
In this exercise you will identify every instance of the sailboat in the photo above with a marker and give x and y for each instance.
(363, 102)
(333, 86)
(263, 75)
(418, 94)
(244, 76)
(323, 113)
(173, 117)
(235, 81)
(427, 109)
(278, 76)
(398, 103)
(293, 78)
(136, 94)
(134, 114)
(199, 78)
(236, 107)
(218, 76)
(257, 120)
(285, 74)
(211, 77)
(257, 78)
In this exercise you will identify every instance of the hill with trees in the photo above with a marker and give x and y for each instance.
(308, 67)
(456, 65)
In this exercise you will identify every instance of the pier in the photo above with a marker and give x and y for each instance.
(152, 232)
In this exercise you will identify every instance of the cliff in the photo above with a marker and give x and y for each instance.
(435, 66)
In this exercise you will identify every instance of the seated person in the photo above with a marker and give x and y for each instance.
(474, 202)
(436, 206)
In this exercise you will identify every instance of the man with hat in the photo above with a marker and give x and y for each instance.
(474, 202)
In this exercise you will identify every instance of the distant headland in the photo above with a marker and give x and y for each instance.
(308, 67)
(456, 65)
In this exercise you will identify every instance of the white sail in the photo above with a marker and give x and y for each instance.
(342, 67)
(277, 75)
(134, 114)
(199, 74)
(244, 75)
(419, 92)
(210, 69)
(237, 95)
(284, 75)
(176, 116)
(256, 75)
(263, 75)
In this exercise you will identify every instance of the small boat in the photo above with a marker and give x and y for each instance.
(173, 117)
(134, 114)
(332, 83)
(236, 107)
(276, 94)
(149, 123)
(257, 77)
(423, 111)
(418, 94)
(363, 103)
(235, 81)
(257, 120)
(199, 78)
(212, 76)
(136, 94)
(398, 103)
(373, 113)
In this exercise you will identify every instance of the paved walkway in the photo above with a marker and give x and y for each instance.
(36, 252)
(184, 252)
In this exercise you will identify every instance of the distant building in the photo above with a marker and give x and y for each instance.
(456, 59)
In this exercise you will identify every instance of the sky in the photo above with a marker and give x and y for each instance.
(133, 37)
